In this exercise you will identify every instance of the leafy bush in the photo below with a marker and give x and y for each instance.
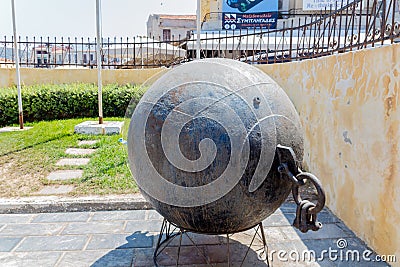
(65, 101)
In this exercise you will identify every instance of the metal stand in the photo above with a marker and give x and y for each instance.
(169, 232)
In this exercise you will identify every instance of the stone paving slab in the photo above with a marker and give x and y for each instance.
(73, 162)
(61, 217)
(80, 151)
(87, 142)
(128, 238)
(104, 227)
(55, 190)
(16, 218)
(93, 127)
(32, 229)
(13, 129)
(119, 215)
(8, 243)
(53, 243)
(120, 241)
(63, 175)
(21, 259)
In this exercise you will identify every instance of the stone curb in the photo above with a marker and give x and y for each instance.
(45, 204)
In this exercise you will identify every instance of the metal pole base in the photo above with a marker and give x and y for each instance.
(170, 231)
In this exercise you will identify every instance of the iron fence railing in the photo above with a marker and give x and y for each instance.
(345, 27)
(136, 52)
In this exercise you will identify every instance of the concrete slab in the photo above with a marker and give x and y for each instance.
(54, 203)
(55, 190)
(93, 127)
(73, 162)
(87, 142)
(30, 258)
(53, 243)
(13, 129)
(80, 151)
(64, 175)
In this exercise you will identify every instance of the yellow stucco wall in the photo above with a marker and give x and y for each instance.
(30, 76)
(349, 107)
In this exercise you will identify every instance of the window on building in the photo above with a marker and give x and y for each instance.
(166, 35)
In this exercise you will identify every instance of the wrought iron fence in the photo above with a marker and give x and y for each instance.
(136, 52)
(345, 27)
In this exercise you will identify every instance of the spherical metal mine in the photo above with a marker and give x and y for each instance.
(202, 144)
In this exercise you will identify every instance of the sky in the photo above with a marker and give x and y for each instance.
(77, 18)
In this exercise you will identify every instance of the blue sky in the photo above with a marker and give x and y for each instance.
(76, 18)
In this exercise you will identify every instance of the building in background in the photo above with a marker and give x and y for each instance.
(170, 27)
(213, 12)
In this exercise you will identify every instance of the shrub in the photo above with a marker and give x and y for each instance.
(65, 101)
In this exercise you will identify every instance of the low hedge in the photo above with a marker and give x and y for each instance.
(65, 101)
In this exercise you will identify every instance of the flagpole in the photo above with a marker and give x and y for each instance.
(20, 111)
(198, 29)
(98, 51)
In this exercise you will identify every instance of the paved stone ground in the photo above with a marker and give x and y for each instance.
(128, 238)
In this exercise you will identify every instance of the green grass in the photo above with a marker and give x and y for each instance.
(27, 157)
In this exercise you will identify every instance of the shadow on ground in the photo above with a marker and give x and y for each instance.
(138, 252)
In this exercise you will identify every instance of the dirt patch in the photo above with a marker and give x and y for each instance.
(14, 180)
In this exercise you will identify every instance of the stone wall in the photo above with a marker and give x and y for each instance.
(30, 76)
(349, 107)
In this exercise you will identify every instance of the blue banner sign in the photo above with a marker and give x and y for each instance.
(245, 14)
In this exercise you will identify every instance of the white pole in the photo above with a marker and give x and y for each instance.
(20, 116)
(198, 29)
(98, 52)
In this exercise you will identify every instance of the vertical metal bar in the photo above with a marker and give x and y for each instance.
(205, 50)
(134, 51)
(48, 50)
(62, 50)
(17, 70)
(179, 247)
(233, 43)
(159, 54)
(108, 52)
(120, 52)
(392, 28)
(346, 30)
(115, 53)
(69, 51)
(154, 43)
(27, 51)
(283, 41)
(291, 40)
(367, 20)
(275, 46)
(98, 51)
(55, 51)
(340, 25)
(212, 45)
(127, 51)
(376, 10)
(198, 29)
(383, 23)
(298, 39)
(353, 17)
(309, 39)
(359, 25)
(323, 33)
